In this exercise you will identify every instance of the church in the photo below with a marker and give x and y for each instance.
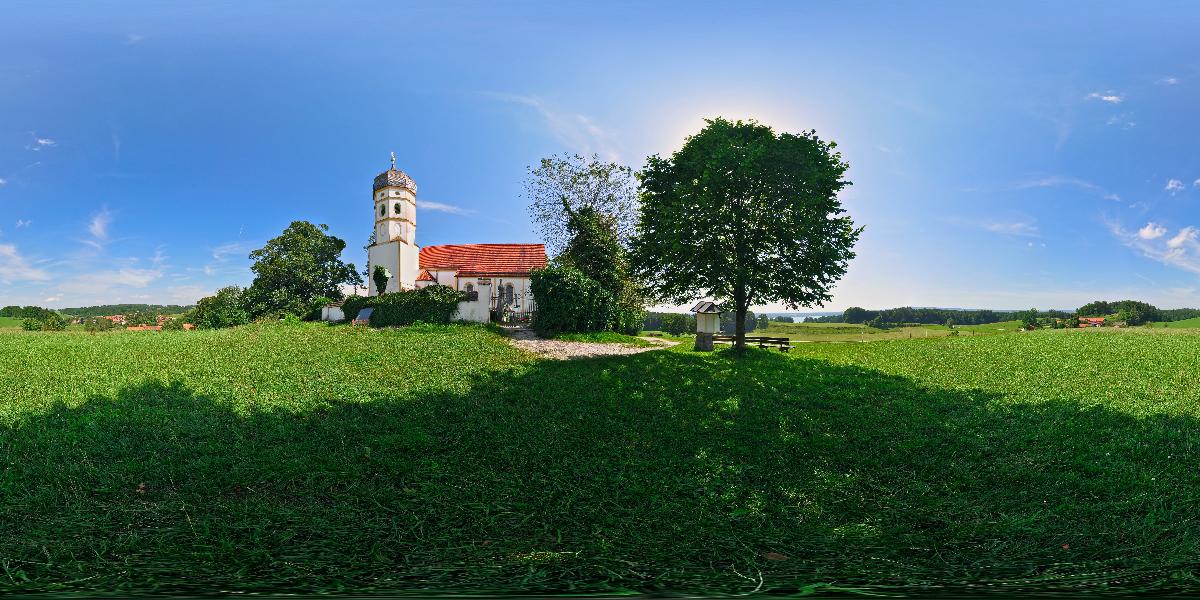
(495, 277)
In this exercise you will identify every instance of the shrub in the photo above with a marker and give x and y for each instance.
(221, 310)
(171, 324)
(97, 324)
(314, 313)
(569, 302)
(50, 321)
(432, 304)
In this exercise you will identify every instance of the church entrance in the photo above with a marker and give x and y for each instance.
(511, 306)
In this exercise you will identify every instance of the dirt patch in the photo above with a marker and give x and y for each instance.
(563, 350)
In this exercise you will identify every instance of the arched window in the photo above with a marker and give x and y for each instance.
(509, 296)
(470, 287)
(399, 209)
(382, 209)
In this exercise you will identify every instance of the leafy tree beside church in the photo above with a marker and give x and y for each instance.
(294, 269)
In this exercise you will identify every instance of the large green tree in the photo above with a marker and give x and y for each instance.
(745, 216)
(293, 270)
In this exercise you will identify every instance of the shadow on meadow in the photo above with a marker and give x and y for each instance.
(660, 472)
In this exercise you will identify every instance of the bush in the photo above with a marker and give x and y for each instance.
(314, 313)
(171, 324)
(97, 324)
(50, 321)
(219, 311)
(432, 304)
(569, 302)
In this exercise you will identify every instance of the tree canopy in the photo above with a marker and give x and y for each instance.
(293, 270)
(564, 184)
(745, 216)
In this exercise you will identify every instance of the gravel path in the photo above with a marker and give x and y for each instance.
(562, 350)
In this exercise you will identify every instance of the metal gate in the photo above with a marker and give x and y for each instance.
(508, 306)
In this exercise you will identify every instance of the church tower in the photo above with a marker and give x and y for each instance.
(395, 247)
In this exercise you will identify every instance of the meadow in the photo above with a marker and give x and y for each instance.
(10, 323)
(325, 459)
(846, 332)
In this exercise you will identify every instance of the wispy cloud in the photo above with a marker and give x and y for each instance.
(14, 267)
(576, 131)
(1174, 186)
(23, 223)
(442, 207)
(1152, 231)
(1167, 81)
(224, 251)
(1110, 97)
(133, 38)
(3, 181)
(1073, 182)
(1196, 183)
(1017, 228)
(40, 143)
(98, 228)
(1181, 251)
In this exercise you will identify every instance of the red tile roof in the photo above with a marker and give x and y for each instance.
(425, 276)
(484, 260)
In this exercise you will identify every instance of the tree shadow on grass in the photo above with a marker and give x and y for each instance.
(660, 472)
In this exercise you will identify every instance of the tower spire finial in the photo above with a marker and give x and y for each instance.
(393, 160)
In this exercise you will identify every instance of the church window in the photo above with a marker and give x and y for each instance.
(382, 209)
(399, 209)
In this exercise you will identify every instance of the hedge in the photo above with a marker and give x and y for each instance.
(568, 301)
(432, 304)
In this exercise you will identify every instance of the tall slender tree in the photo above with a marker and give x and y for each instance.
(745, 216)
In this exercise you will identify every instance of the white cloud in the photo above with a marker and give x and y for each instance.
(1185, 236)
(441, 207)
(1196, 183)
(1062, 181)
(576, 131)
(14, 267)
(41, 143)
(222, 253)
(55, 298)
(1152, 231)
(133, 38)
(98, 227)
(1110, 97)
(105, 283)
(1017, 228)
(23, 223)
(3, 181)
(1174, 185)
(1181, 251)
(1167, 81)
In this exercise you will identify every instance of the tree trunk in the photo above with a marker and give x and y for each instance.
(739, 320)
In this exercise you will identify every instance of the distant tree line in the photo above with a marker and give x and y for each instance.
(107, 310)
(924, 316)
(1131, 312)
(26, 312)
(681, 323)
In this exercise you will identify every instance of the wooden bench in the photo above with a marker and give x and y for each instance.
(764, 342)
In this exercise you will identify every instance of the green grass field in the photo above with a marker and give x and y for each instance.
(845, 332)
(334, 459)
(1184, 324)
(10, 323)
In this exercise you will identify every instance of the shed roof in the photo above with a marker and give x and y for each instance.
(707, 308)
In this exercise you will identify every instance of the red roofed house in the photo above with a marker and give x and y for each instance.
(1091, 321)
(495, 276)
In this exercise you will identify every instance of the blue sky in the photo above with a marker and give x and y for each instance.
(1002, 156)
